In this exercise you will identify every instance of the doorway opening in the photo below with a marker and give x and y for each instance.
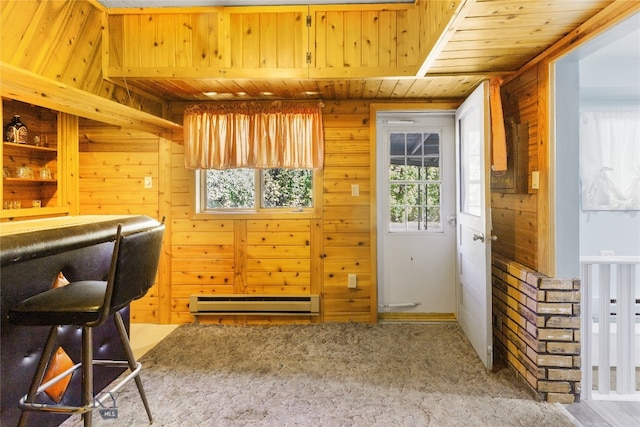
(597, 151)
(416, 215)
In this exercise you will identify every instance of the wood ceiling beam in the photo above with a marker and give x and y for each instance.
(23, 85)
(446, 34)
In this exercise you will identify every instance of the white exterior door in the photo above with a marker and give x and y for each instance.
(474, 222)
(416, 182)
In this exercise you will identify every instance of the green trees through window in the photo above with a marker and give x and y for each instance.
(414, 181)
(277, 188)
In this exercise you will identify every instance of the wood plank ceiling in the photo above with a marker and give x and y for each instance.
(485, 38)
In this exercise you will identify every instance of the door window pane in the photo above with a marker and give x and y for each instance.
(471, 163)
(414, 181)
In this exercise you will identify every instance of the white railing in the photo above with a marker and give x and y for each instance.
(610, 302)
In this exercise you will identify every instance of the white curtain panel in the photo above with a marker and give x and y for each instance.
(610, 160)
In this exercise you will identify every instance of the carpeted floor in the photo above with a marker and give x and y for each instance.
(326, 375)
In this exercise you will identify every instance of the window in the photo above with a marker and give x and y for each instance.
(250, 190)
(414, 182)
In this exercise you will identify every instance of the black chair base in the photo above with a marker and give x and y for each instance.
(89, 402)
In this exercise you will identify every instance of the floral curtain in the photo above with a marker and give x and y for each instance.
(253, 135)
(610, 160)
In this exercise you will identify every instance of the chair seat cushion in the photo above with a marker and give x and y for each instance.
(74, 304)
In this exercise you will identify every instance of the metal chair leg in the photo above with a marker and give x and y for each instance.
(47, 351)
(131, 360)
(87, 373)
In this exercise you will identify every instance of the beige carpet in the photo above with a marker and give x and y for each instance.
(326, 375)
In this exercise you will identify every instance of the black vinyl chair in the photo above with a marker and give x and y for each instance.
(89, 304)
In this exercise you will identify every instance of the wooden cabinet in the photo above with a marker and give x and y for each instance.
(30, 184)
(324, 41)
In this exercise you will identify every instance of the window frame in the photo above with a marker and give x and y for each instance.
(415, 128)
(198, 195)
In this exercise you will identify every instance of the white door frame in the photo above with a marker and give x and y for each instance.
(374, 108)
(434, 295)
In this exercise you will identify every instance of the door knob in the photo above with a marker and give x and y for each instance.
(478, 237)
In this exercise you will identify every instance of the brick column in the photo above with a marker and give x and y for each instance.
(536, 328)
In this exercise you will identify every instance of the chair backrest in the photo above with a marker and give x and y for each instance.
(134, 266)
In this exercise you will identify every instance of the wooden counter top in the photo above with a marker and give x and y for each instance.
(17, 227)
(37, 238)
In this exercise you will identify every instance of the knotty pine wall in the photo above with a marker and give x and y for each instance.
(284, 255)
(515, 215)
(113, 165)
(227, 254)
(62, 41)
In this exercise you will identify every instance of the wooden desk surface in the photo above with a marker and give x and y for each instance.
(17, 227)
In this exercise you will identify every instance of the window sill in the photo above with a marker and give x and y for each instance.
(310, 214)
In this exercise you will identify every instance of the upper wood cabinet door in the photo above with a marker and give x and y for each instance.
(328, 41)
(166, 44)
(267, 44)
(363, 41)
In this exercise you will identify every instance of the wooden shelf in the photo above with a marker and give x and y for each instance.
(23, 164)
(30, 147)
(29, 180)
(33, 212)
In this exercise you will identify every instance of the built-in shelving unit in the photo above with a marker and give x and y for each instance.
(30, 184)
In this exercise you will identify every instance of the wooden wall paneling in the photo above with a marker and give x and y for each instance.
(334, 43)
(240, 251)
(251, 31)
(545, 262)
(63, 32)
(435, 17)
(294, 52)
(207, 44)
(387, 39)
(268, 40)
(112, 158)
(114, 49)
(319, 28)
(408, 39)
(69, 163)
(62, 42)
(202, 262)
(43, 28)
(105, 175)
(132, 50)
(370, 29)
(316, 264)
(165, 181)
(13, 42)
(77, 56)
(148, 41)
(353, 39)
(183, 40)
(347, 242)
(521, 105)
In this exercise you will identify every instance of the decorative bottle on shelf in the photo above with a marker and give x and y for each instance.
(16, 131)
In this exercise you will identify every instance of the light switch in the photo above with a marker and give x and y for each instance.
(535, 180)
(148, 182)
(352, 281)
(355, 190)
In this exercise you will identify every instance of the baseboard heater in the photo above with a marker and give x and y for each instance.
(264, 305)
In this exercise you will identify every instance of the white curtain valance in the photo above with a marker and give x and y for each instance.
(253, 135)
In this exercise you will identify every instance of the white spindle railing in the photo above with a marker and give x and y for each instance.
(610, 312)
